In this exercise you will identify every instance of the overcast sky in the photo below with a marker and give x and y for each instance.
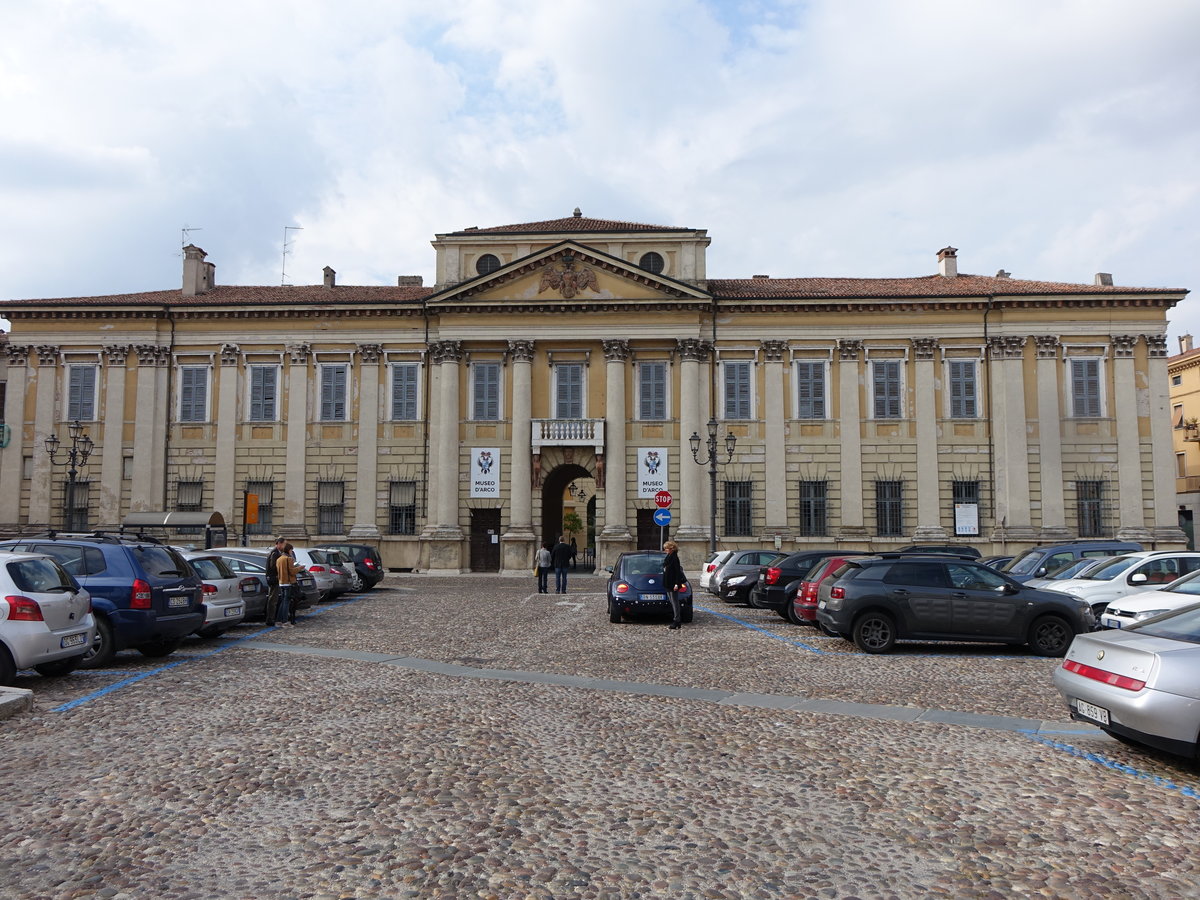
(1051, 138)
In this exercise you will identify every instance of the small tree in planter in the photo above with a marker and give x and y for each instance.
(572, 523)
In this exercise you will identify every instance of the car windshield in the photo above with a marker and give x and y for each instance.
(1073, 569)
(39, 576)
(211, 569)
(1025, 564)
(1183, 625)
(643, 565)
(1113, 568)
(1188, 584)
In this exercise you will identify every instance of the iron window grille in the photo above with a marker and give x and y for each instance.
(265, 491)
(889, 508)
(331, 514)
(1089, 508)
(814, 509)
(738, 508)
(402, 507)
(77, 504)
(189, 497)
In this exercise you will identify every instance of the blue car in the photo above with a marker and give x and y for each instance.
(635, 587)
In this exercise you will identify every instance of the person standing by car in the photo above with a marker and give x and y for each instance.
(272, 574)
(286, 568)
(674, 581)
(561, 555)
(544, 561)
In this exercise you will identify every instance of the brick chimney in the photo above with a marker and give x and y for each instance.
(410, 280)
(1185, 343)
(198, 275)
(1104, 279)
(948, 262)
(330, 277)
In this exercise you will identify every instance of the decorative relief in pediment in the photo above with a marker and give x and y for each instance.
(566, 278)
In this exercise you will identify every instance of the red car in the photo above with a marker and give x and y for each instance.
(802, 608)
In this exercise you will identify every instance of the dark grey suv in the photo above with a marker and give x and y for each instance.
(876, 601)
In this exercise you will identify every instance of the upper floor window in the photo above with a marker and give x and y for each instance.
(485, 391)
(487, 264)
(193, 393)
(810, 390)
(963, 389)
(81, 393)
(333, 393)
(652, 262)
(264, 393)
(1177, 380)
(1085, 388)
(404, 391)
(652, 390)
(885, 383)
(736, 382)
(568, 391)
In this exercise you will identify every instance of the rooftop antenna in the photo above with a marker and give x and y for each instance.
(287, 248)
(185, 233)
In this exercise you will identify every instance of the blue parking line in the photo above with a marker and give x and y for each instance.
(1140, 774)
(762, 630)
(229, 644)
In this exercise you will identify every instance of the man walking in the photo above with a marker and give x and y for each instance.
(561, 554)
(273, 579)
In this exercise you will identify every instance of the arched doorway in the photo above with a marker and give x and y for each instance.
(554, 486)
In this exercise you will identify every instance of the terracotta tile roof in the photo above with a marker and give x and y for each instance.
(927, 286)
(569, 224)
(267, 295)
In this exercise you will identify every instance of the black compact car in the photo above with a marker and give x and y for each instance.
(737, 576)
(366, 561)
(635, 588)
(768, 590)
(876, 601)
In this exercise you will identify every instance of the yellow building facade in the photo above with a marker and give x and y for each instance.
(564, 366)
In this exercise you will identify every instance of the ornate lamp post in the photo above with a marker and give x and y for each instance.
(712, 462)
(77, 457)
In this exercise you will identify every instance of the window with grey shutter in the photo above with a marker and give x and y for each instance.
(962, 389)
(264, 381)
(886, 381)
(1085, 388)
(652, 390)
(737, 390)
(810, 390)
(568, 391)
(404, 392)
(193, 393)
(486, 391)
(333, 395)
(81, 393)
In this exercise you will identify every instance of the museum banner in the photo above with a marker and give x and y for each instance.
(652, 471)
(485, 472)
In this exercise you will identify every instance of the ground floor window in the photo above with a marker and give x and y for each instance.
(738, 508)
(189, 497)
(814, 509)
(402, 507)
(1089, 508)
(331, 513)
(265, 492)
(76, 499)
(889, 508)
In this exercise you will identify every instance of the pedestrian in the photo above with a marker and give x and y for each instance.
(287, 567)
(674, 581)
(544, 562)
(574, 551)
(561, 555)
(272, 574)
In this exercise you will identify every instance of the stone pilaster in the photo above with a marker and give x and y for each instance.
(519, 542)
(775, 501)
(691, 525)
(1049, 411)
(154, 406)
(929, 507)
(1010, 441)
(112, 437)
(12, 461)
(446, 540)
(366, 506)
(853, 527)
(228, 380)
(1166, 518)
(616, 535)
(1131, 513)
(295, 479)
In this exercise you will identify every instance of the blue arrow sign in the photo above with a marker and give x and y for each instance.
(662, 517)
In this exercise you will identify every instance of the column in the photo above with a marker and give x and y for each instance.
(929, 501)
(295, 523)
(1049, 411)
(147, 492)
(1162, 451)
(693, 522)
(850, 422)
(616, 524)
(112, 437)
(776, 416)
(41, 488)
(519, 541)
(448, 442)
(1010, 472)
(1132, 514)
(366, 492)
(225, 493)
(432, 370)
(12, 457)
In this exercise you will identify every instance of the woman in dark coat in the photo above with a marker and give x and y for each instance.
(673, 580)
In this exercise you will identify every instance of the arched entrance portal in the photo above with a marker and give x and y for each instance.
(555, 500)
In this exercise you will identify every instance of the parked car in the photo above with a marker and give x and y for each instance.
(226, 594)
(635, 587)
(804, 591)
(366, 560)
(343, 567)
(252, 561)
(769, 591)
(709, 569)
(1129, 574)
(1144, 605)
(1140, 683)
(330, 584)
(996, 562)
(951, 549)
(144, 594)
(46, 620)
(1037, 562)
(876, 601)
(737, 577)
(1076, 569)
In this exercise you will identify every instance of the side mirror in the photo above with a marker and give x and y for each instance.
(608, 569)
(1041, 572)
(1138, 578)
(1010, 588)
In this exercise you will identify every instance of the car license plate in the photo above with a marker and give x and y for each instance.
(1109, 622)
(249, 588)
(1097, 714)
(654, 596)
(821, 605)
(233, 611)
(74, 640)
(174, 602)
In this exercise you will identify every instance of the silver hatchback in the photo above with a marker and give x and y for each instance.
(46, 618)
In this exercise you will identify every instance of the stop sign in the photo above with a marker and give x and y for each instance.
(662, 499)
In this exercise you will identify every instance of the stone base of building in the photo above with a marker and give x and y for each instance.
(930, 534)
(361, 532)
(445, 547)
(518, 549)
(1170, 539)
(611, 543)
(1012, 534)
(1056, 535)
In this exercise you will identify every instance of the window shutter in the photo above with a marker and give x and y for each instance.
(810, 390)
(1085, 387)
(262, 393)
(737, 390)
(653, 388)
(886, 377)
(192, 382)
(81, 393)
(569, 403)
(333, 393)
(404, 391)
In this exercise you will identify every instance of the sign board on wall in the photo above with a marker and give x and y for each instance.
(652, 471)
(485, 472)
(966, 519)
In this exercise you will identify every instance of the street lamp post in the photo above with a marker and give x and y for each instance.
(712, 462)
(77, 457)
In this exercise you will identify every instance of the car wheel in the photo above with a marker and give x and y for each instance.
(103, 648)
(59, 667)
(789, 613)
(1050, 636)
(210, 631)
(827, 631)
(155, 649)
(614, 612)
(8, 669)
(874, 632)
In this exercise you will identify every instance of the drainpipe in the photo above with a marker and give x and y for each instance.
(170, 406)
(425, 416)
(987, 387)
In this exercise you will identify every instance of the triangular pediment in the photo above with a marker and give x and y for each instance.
(569, 272)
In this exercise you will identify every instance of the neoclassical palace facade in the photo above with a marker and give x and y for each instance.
(563, 366)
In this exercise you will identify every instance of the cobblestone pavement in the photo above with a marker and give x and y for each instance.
(463, 738)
